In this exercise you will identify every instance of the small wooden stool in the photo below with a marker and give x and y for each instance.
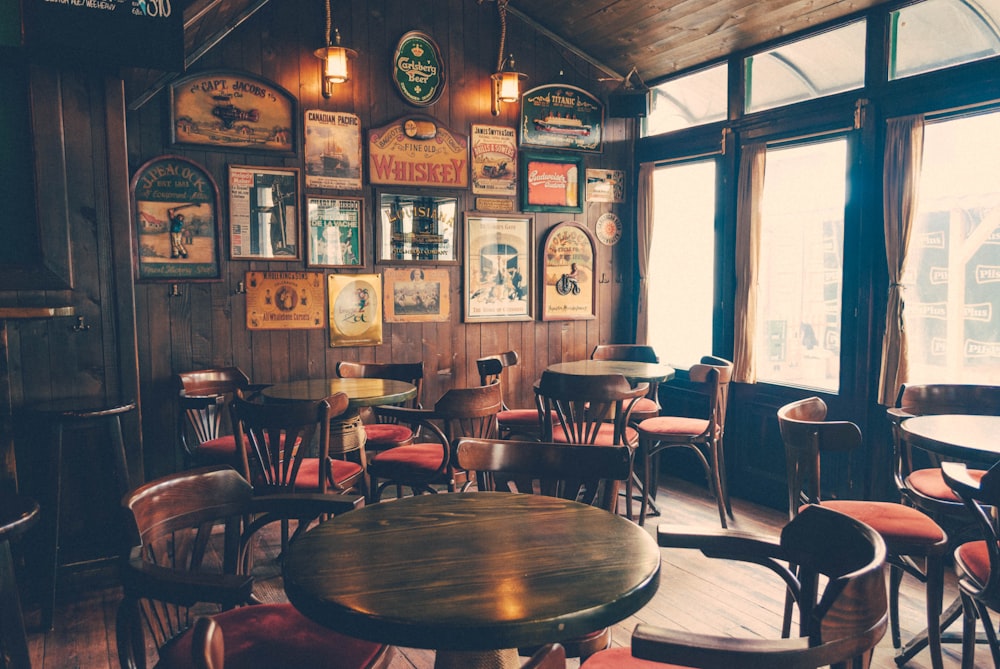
(17, 514)
(60, 415)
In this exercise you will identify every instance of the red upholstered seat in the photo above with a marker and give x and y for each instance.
(645, 406)
(605, 435)
(674, 425)
(276, 636)
(617, 658)
(930, 483)
(402, 460)
(901, 526)
(975, 559)
(380, 436)
(340, 471)
(519, 417)
(221, 449)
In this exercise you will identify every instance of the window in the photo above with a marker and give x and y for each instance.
(688, 101)
(935, 34)
(681, 277)
(814, 67)
(952, 281)
(800, 276)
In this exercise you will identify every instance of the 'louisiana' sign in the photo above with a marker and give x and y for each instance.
(418, 152)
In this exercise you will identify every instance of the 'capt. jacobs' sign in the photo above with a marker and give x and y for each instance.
(417, 69)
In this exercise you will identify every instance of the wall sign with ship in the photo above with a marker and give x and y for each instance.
(332, 150)
(561, 117)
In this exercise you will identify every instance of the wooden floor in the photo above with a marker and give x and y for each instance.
(695, 594)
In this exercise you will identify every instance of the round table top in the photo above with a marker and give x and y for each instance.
(472, 571)
(360, 392)
(958, 436)
(81, 407)
(17, 514)
(635, 372)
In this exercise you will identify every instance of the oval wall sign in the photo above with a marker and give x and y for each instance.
(417, 69)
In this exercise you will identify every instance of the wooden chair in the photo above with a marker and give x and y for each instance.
(590, 409)
(181, 569)
(649, 406)
(977, 563)
(203, 398)
(841, 623)
(511, 423)
(586, 473)
(383, 432)
(703, 436)
(911, 536)
(461, 412)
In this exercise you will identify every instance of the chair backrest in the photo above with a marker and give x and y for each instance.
(806, 434)
(411, 372)
(981, 498)
(631, 352)
(578, 405)
(279, 436)
(581, 472)
(842, 623)
(491, 369)
(713, 375)
(469, 412)
(203, 397)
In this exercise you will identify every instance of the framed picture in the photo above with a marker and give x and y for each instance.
(177, 221)
(355, 309)
(561, 117)
(332, 150)
(264, 213)
(494, 160)
(334, 232)
(551, 182)
(416, 228)
(606, 186)
(417, 295)
(285, 300)
(499, 262)
(232, 110)
(568, 273)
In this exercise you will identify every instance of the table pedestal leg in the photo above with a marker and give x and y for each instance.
(489, 659)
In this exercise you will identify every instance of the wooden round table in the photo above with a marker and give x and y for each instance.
(360, 392)
(635, 372)
(964, 437)
(472, 575)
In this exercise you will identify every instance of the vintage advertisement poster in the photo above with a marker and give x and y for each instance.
(568, 273)
(551, 182)
(499, 281)
(232, 110)
(334, 232)
(355, 309)
(333, 150)
(561, 117)
(263, 213)
(606, 186)
(418, 69)
(284, 300)
(418, 151)
(494, 160)
(417, 295)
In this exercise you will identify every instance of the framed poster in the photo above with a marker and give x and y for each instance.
(355, 309)
(332, 150)
(334, 232)
(551, 182)
(416, 228)
(176, 207)
(605, 186)
(561, 117)
(232, 110)
(494, 160)
(417, 295)
(499, 268)
(284, 300)
(264, 213)
(418, 69)
(568, 273)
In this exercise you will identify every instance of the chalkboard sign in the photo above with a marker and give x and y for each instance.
(134, 33)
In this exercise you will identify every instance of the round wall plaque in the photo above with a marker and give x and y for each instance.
(609, 229)
(418, 69)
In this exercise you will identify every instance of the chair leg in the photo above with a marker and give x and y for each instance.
(935, 598)
(720, 490)
(895, 578)
(969, 617)
(720, 448)
(646, 448)
(991, 633)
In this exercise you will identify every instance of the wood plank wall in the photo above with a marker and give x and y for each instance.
(205, 325)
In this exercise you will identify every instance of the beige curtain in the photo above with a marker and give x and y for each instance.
(644, 239)
(904, 149)
(750, 188)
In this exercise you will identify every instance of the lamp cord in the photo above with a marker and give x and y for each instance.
(502, 9)
(328, 23)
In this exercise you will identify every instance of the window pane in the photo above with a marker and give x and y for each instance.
(801, 265)
(952, 282)
(814, 67)
(694, 99)
(936, 34)
(682, 262)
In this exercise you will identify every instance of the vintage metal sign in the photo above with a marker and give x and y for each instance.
(418, 69)
(561, 117)
(355, 309)
(418, 151)
(284, 300)
(494, 160)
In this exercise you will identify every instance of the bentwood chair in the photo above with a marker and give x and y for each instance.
(841, 622)
(203, 397)
(511, 423)
(426, 465)
(977, 563)
(184, 566)
(383, 432)
(912, 537)
(586, 473)
(648, 406)
(590, 409)
(703, 436)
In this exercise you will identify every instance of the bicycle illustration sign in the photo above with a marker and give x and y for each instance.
(568, 273)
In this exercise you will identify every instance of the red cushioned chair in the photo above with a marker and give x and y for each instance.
(381, 431)
(180, 570)
(648, 406)
(511, 423)
(911, 536)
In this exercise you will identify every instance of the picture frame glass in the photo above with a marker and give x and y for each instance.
(499, 262)
(264, 213)
(551, 183)
(417, 228)
(417, 295)
(334, 232)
